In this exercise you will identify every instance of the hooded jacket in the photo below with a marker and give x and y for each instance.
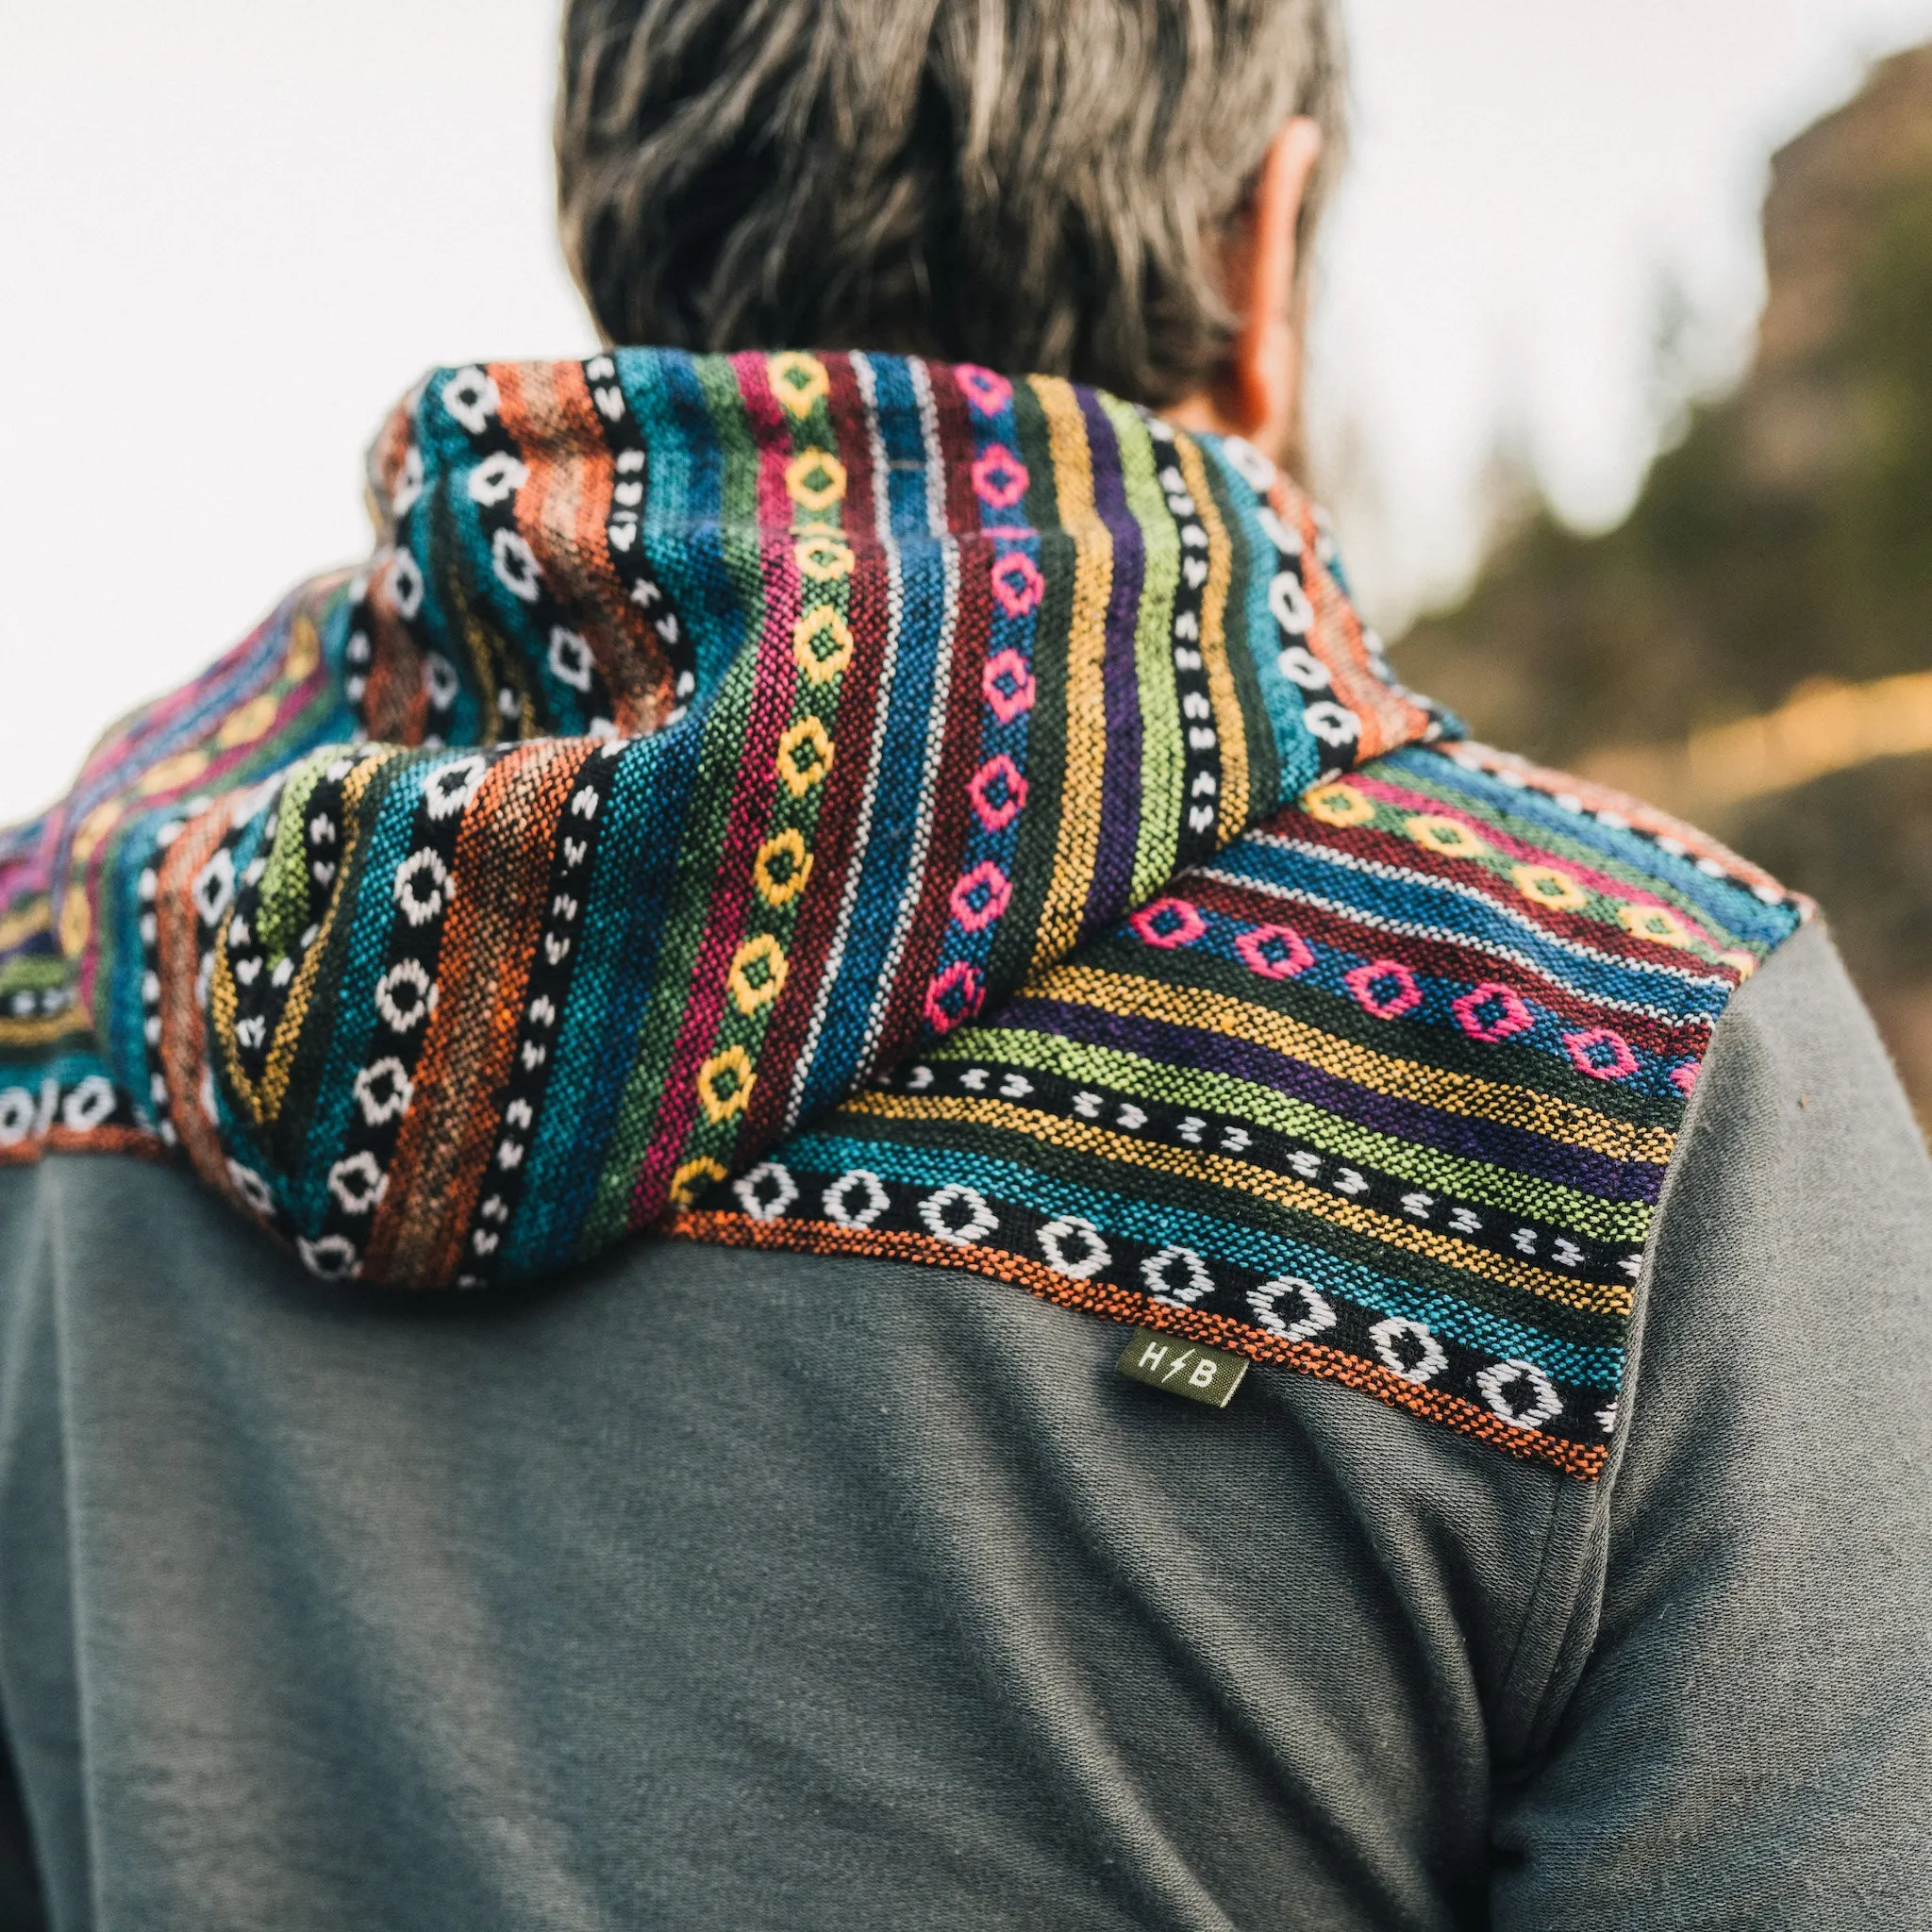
(958, 828)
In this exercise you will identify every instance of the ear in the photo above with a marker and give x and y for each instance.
(1257, 393)
(1266, 359)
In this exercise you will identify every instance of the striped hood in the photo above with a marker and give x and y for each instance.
(706, 736)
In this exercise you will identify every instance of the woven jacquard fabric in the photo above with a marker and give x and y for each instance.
(860, 804)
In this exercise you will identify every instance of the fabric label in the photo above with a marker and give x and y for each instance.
(1182, 1368)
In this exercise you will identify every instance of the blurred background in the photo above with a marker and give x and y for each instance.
(1750, 643)
(1620, 389)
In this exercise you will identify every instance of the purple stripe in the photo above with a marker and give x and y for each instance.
(1426, 1127)
(1107, 895)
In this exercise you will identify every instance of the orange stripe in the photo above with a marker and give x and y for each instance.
(488, 943)
(1085, 702)
(135, 1140)
(563, 513)
(182, 1053)
(1583, 1460)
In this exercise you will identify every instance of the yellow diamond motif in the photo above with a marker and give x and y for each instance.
(724, 1083)
(94, 827)
(822, 643)
(1450, 837)
(248, 722)
(781, 868)
(693, 1178)
(304, 650)
(1544, 885)
(815, 479)
(77, 922)
(824, 558)
(798, 381)
(1656, 923)
(804, 756)
(1338, 804)
(757, 974)
(184, 768)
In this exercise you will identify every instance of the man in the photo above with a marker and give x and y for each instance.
(836, 891)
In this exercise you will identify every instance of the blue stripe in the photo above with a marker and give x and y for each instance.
(1735, 908)
(1295, 748)
(635, 868)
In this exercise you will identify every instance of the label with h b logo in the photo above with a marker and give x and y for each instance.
(1182, 1368)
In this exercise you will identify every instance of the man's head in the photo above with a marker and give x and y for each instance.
(1075, 187)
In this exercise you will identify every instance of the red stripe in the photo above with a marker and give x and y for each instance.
(836, 850)
(1445, 960)
(754, 799)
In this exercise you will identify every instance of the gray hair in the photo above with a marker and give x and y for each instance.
(1037, 185)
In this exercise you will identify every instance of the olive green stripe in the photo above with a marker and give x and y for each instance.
(1570, 1208)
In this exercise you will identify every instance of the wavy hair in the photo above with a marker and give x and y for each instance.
(1031, 184)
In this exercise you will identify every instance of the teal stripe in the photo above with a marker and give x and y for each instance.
(1157, 1225)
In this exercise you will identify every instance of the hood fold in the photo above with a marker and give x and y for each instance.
(705, 734)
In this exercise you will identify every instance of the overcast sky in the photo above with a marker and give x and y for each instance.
(232, 232)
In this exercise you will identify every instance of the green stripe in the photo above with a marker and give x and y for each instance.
(718, 1141)
(1571, 1209)
(1163, 757)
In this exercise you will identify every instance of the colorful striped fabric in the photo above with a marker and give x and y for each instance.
(851, 803)
(1384, 1093)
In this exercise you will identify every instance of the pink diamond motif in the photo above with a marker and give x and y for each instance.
(987, 394)
(980, 896)
(1601, 1053)
(1385, 988)
(1493, 1011)
(1017, 583)
(952, 997)
(998, 792)
(999, 476)
(1168, 923)
(1007, 685)
(1276, 952)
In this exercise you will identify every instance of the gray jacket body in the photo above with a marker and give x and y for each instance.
(716, 1589)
